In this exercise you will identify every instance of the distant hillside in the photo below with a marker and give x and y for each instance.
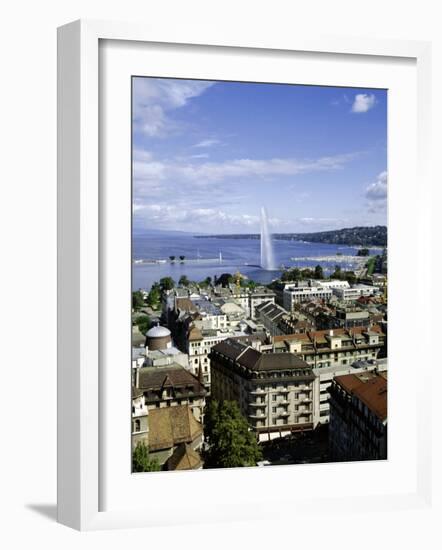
(357, 236)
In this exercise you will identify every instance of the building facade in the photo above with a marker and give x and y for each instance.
(327, 348)
(304, 292)
(358, 417)
(332, 353)
(276, 392)
(170, 386)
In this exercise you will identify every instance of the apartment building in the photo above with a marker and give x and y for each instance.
(355, 292)
(296, 293)
(326, 348)
(169, 386)
(276, 392)
(332, 353)
(247, 298)
(199, 343)
(270, 315)
(358, 417)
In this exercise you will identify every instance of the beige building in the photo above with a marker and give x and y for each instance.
(276, 392)
(327, 348)
(332, 353)
(170, 386)
(199, 344)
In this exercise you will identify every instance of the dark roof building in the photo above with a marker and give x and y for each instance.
(275, 391)
(358, 417)
(170, 386)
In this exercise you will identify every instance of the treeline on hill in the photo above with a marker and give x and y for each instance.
(357, 236)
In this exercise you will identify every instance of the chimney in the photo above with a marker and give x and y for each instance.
(331, 332)
(137, 377)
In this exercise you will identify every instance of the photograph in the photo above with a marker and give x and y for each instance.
(259, 303)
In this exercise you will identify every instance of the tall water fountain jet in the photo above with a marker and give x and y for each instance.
(267, 255)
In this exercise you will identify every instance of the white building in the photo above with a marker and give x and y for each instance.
(295, 294)
(200, 344)
(333, 283)
(355, 292)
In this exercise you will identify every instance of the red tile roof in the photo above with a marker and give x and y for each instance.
(370, 389)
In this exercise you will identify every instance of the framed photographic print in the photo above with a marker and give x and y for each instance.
(231, 275)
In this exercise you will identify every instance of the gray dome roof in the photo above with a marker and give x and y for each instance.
(158, 332)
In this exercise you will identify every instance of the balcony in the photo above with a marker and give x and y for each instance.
(257, 392)
(283, 402)
(283, 390)
(257, 415)
(283, 413)
(256, 404)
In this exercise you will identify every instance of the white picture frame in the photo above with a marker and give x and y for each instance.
(80, 262)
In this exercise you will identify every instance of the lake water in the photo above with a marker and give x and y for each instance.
(202, 257)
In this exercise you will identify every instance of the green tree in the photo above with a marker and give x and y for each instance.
(337, 274)
(319, 272)
(141, 461)
(350, 276)
(182, 258)
(184, 281)
(206, 282)
(167, 283)
(231, 442)
(225, 279)
(363, 252)
(172, 258)
(307, 273)
(293, 274)
(153, 299)
(137, 300)
(143, 323)
(371, 264)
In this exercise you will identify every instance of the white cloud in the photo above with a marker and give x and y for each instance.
(322, 223)
(377, 190)
(363, 103)
(207, 143)
(142, 156)
(166, 215)
(200, 156)
(208, 172)
(154, 97)
(186, 217)
(376, 193)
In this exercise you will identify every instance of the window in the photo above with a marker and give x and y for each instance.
(274, 397)
(137, 425)
(273, 409)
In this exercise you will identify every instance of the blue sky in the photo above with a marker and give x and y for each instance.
(208, 155)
